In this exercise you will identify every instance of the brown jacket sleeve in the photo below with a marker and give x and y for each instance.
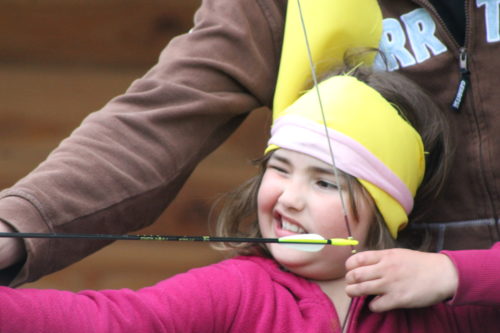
(120, 169)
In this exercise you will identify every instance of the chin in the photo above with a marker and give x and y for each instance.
(310, 265)
(317, 272)
(290, 258)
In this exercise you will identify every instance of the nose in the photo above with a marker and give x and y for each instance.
(293, 195)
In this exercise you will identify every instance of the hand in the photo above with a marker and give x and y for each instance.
(401, 278)
(11, 249)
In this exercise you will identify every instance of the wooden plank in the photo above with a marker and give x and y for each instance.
(105, 32)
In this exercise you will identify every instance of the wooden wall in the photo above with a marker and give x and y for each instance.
(62, 59)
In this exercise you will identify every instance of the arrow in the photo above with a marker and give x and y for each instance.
(303, 242)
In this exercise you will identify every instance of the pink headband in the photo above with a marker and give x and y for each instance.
(302, 135)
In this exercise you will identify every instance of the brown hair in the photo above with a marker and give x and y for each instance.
(238, 215)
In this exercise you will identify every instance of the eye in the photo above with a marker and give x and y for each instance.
(277, 168)
(327, 184)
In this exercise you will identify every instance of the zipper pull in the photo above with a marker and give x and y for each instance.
(464, 80)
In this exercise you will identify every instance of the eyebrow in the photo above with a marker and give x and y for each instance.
(317, 169)
(280, 158)
(324, 170)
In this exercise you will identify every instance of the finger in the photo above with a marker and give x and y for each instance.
(363, 274)
(372, 287)
(363, 259)
(384, 303)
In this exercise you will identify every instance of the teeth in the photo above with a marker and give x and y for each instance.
(292, 227)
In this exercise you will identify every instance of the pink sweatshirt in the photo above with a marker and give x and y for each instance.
(244, 294)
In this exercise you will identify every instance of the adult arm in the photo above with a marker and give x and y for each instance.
(119, 170)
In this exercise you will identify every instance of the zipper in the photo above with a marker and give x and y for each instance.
(347, 320)
(427, 5)
(464, 70)
(464, 80)
(463, 86)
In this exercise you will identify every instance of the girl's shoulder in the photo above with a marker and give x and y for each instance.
(247, 267)
(255, 275)
(229, 296)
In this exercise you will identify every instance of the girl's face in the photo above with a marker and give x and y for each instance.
(299, 195)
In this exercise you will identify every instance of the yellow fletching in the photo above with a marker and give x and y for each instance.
(343, 242)
(332, 241)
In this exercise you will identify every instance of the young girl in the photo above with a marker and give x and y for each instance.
(382, 162)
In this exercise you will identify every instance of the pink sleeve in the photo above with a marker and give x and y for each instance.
(198, 301)
(478, 272)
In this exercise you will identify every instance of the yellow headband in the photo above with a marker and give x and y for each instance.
(370, 141)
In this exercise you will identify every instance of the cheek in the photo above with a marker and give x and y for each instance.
(366, 216)
(265, 205)
(268, 193)
(329, 218)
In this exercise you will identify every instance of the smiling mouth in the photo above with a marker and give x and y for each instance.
(292, 227)
(288, 225)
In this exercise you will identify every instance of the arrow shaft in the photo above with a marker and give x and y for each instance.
(172, 238)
